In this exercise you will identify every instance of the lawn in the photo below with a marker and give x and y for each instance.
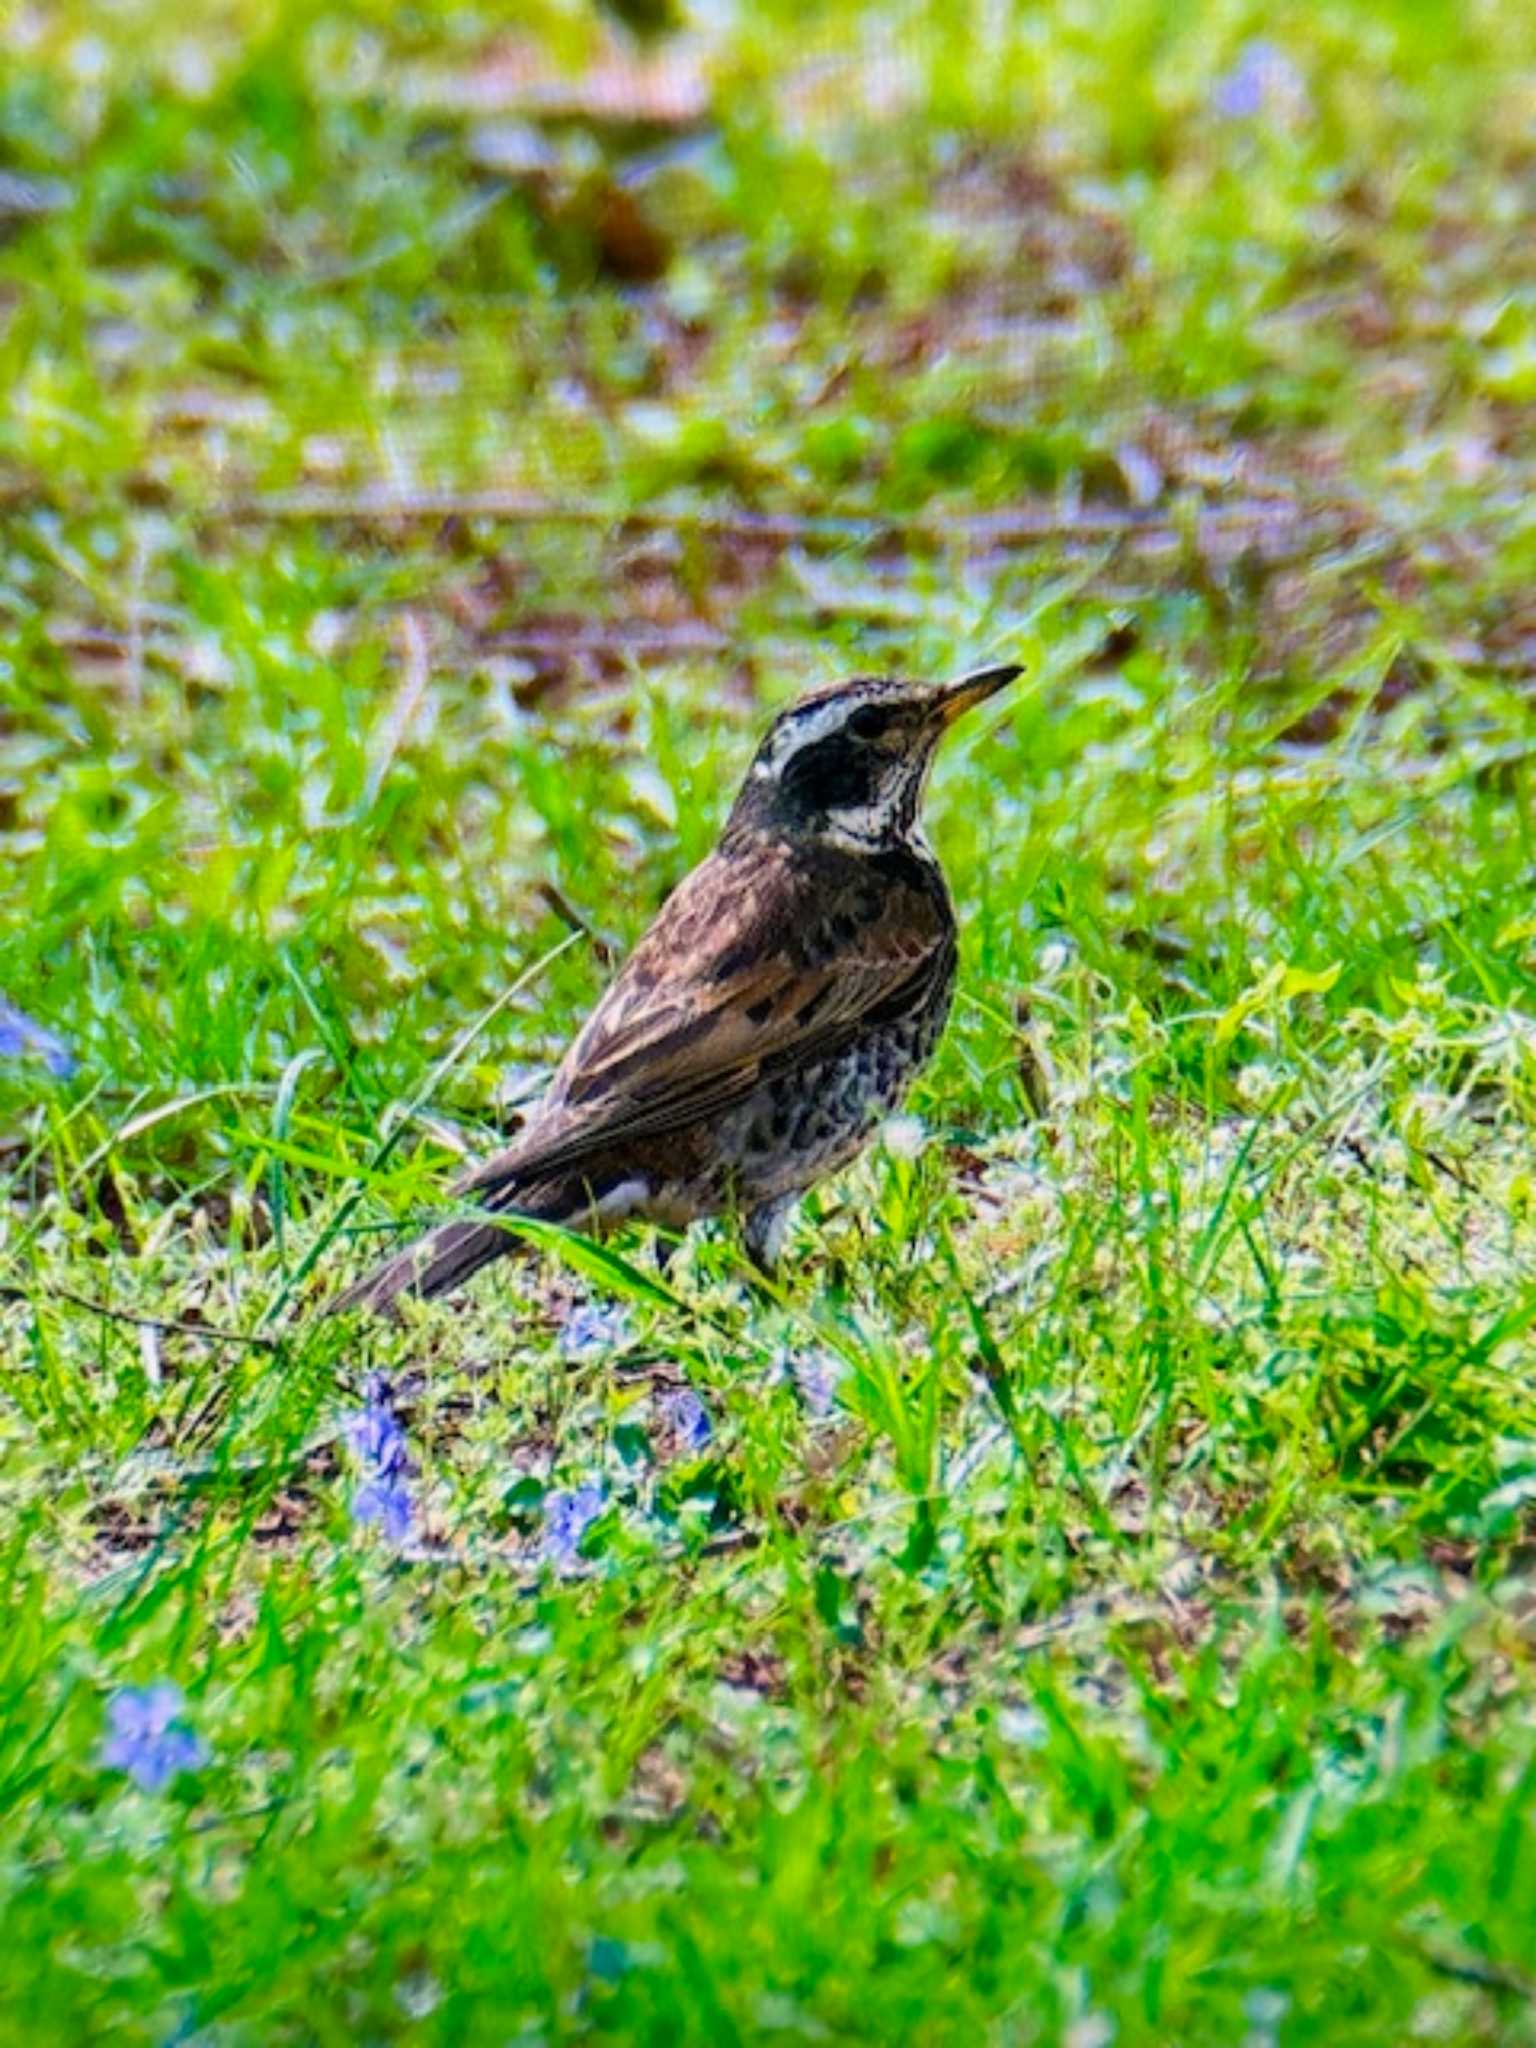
(1089, 1599)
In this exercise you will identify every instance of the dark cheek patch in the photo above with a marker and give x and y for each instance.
(834, 776)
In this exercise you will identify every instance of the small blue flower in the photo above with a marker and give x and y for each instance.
(690, 1418)
(383, 1500)
(148, 1738)
(567, 1518)
(1262, 81)
(21, 1037)
(816, 1376)
(374, 1433)
(589, 1332)
(384, 1504)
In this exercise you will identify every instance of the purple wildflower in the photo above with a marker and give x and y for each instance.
(20, 1037)
(1262, 81)
(384, 1504)
(567, 1518)
(383, 1500)
(589, 1332)
(374, 1432)
(816, 1376)
(148, 1738)
(690, 1418)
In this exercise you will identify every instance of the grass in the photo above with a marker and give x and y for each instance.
(1099, 1609)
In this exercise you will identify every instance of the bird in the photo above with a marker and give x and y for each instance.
(773, 1015)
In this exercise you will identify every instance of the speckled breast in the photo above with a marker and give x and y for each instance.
(809, 1122)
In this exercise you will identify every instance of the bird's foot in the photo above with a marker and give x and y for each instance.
(763, 1230)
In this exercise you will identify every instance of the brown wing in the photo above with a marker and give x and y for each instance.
(752, 964)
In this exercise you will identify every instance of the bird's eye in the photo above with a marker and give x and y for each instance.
(869, 723)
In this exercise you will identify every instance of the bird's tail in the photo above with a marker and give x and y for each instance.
(435, 1263)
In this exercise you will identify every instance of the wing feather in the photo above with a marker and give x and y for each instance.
(742, 974)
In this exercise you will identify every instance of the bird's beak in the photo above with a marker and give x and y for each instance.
(953, 700)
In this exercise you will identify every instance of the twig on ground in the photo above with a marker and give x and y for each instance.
(164, 1325)
(604, 949)
(1014, 523)
(1468, 1968)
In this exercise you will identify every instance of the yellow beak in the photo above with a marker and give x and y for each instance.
(955, 699)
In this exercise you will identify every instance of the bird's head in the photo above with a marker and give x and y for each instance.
(848, 764)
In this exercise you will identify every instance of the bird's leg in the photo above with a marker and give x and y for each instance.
(763, 1232)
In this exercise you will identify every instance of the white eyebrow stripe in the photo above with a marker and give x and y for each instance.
(806, 728)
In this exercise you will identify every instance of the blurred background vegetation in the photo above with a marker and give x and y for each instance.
(723, 357)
